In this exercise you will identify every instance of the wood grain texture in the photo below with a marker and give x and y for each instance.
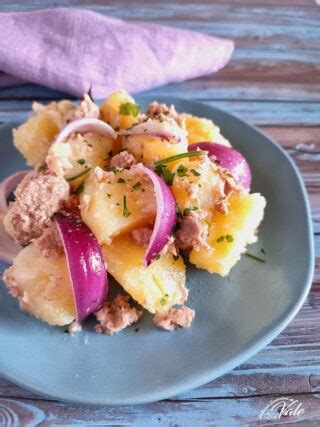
(272, 81)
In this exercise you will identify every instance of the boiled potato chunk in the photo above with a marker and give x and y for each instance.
(196, 184)
(78, 154)
(34, 137)
(147, 149)
(117, 116)
(203, 130)
(157, 287)
(113, 206)
(42, 286)
(229, 234)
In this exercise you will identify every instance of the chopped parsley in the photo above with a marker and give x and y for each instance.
(136, 185)
(195, 173)
(126, 213)
(177, 157)
(81, 161)
(256, 258)
(113, 169)
(129, 109)
(109, 195)
(165, 173)
(80, 189)
(121, 181)
(163, 301)
(182, 170)
(79, 175)
(157, 257)
(191, 208)
(228, 238)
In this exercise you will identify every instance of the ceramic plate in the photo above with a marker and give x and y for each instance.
(235, 316)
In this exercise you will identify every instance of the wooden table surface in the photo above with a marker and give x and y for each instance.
(272, 81)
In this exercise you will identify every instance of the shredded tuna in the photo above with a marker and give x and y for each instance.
(174, 318)
(123, 160)
(71, 205)
(38, 197)
(99, 175)
(163, 112)
(116, 315)
(141, 236)
(86, 108)
(49, 242)
(75, 327)
(192, 232)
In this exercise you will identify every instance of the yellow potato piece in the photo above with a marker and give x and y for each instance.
(157, 287)
(203, 130)
(148, 149)
(102, 204)
(198, 186)
(110, 110)
(78, 154)
(229, 234)
(43, 286)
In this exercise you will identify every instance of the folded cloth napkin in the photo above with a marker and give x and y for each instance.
(72, 50)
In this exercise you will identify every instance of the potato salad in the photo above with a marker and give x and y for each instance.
(115, 191)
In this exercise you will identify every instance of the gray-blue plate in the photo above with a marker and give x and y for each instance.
(235, 316)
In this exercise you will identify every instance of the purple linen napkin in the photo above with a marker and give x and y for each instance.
(73, 49)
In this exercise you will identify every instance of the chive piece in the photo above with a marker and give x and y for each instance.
(181, 170)
(178, 157)
(113, 169)
(126, 213)
(195, 173)
(187, 210)
(263, 251)
(129, 109)
(81, 161)
(79, 190)
(165, 173)
(163, 301)
(220, 239)
(157, 257)
(136, 185)
(229, 238)
(176, 257)
(79, 175)
(256, 258)
(121, 181)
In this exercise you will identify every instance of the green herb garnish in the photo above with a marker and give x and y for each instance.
(136, 185)
(187, 210)
(181, 171)
(195, 173)
(79, 175)
(129, 109)
(79, 190)
(165, 173)
(163, 301)
(121, 181)
(227, 237)
(126, 213)
(109, 195)
(113, 169)
(81, 161)
(177, 157)
(256, 258)
(157, 257)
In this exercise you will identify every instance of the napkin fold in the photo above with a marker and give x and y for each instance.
(72, 50)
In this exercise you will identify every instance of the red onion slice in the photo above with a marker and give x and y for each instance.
(8, 247)
(229, 159)
(165, 217)
(154, 127)
(86, 125)
(85, 263)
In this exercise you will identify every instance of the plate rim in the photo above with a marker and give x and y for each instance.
(252, 348)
